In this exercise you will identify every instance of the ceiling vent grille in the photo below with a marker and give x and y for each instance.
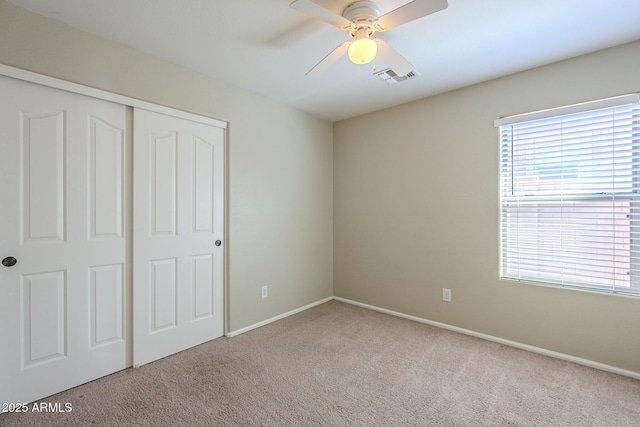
(389, 76)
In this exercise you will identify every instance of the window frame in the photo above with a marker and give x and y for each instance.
(632, 196)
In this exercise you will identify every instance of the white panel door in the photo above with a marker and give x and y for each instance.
(178, 217)
(64, 304)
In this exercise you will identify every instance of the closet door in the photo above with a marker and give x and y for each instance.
(64, 285)
(178, 232)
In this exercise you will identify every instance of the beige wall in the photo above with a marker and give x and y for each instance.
(280, 159)
(416, 210)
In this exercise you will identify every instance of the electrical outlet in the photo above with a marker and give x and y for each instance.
(446, 294)
(265, 291)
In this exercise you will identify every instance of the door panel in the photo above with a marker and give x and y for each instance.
(178, 216)
(41, 143)
(43, 317)
(64, 306)
(164, 157)
(106, 298)
(164, 294)
(106, 145)
(203, 291)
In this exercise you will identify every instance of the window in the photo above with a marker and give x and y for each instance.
(569, 199)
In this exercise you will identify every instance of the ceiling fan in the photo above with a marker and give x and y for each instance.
(361, 20)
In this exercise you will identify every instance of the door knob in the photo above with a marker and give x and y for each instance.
(9, 261)
(218, 242)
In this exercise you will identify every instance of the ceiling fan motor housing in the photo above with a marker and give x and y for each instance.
(362, 13)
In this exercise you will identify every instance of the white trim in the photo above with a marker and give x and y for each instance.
(515, 344)
(32, 77)
(273, 319)
(538, 350)
(569, 109)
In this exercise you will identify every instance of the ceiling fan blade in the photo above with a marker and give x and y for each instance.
(409, 12)
(393, 59)
(329, 60)
(315, 10)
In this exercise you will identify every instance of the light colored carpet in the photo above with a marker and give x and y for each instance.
(341, 365)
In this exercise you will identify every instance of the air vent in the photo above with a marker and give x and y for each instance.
(389, 76)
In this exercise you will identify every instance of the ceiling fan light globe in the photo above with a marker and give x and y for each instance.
(362, 51)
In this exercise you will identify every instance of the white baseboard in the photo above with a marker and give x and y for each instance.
(273, 319)
(533, 349)
(545, 352)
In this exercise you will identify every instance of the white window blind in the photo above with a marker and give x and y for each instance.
(569, 205)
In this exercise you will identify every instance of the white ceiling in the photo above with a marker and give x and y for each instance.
(266, 47)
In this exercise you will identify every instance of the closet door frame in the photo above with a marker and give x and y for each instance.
(32, 77)
(41, 79)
